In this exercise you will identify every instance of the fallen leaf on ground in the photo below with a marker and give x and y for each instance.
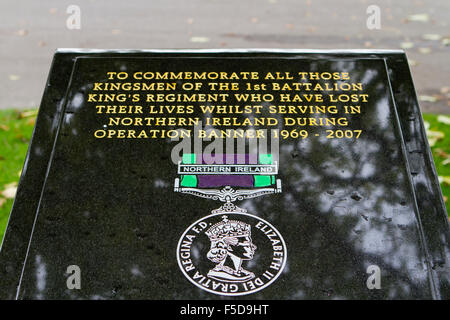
(443, 119)
(406, 45)
(289, 26)
(434, 136)
(432, 37)
(11, 184)
(427, 98)
(442, 154)
(432, 141)
(424, 50)
(2, 202)
(446, 180)
(10, 190)
(421, 17)
(27, 114)
(22, 138)
(4, 127)
(199, 39)
(446, 41)
(14, 77)
(22, 32)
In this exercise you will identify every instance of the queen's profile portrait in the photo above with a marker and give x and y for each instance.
(231, 244)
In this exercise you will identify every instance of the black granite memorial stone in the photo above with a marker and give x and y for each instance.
(343, 203)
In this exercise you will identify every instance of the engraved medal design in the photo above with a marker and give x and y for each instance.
(230, 252)
(233, 254)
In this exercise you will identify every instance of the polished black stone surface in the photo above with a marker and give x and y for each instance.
(109, 207)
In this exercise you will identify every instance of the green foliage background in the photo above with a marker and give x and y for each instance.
(16, 128)
(441, 153)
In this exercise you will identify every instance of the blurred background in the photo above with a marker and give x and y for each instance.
(30, 31)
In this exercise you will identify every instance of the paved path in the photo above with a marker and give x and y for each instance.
(30, 31)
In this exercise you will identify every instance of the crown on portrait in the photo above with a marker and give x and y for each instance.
(228, 228)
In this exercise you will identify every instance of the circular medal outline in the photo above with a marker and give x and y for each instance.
(239, 293)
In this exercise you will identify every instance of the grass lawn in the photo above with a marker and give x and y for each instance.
(438, 131)
(16, 128)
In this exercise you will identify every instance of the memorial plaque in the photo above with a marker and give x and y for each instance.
(251, 174)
